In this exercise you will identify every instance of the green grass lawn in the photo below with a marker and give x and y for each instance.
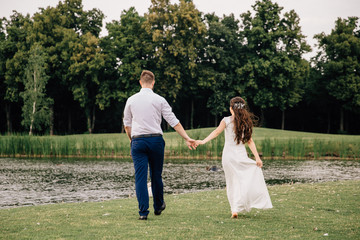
(271, 143)
(301, 211)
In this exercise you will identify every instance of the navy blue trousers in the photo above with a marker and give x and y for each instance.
(148, 152)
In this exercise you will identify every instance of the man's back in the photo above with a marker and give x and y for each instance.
(144, 111)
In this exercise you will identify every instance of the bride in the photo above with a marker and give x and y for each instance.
(245, 183)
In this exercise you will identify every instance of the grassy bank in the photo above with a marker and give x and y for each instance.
(271, 143)
(301, 211)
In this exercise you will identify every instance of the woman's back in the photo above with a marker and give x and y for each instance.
(230, 143)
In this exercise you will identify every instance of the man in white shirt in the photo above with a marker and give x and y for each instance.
(142, 120)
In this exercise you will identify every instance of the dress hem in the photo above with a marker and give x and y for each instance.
(247, 211)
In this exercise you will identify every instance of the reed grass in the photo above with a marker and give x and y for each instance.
(271, 143)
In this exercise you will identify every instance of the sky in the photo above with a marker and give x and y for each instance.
(316, 16)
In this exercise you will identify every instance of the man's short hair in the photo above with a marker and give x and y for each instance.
(147, 77)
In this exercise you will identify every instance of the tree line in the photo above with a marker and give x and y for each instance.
(59, 76)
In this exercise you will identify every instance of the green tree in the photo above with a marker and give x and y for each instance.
(35, 110)
(128, 50)
(86, 63)
(339, 64)
(2, 63)
(74, 17)
(177, 32)
(59, 30)
(15, 50)
(318, 99)
(222, 57)
(47, 30)
(274, 73)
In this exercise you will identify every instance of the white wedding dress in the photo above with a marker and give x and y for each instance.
(245, 184)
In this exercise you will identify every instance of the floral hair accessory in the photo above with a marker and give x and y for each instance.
(239, 105)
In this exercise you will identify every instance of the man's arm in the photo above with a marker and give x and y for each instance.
(171, 119)
(181, 131)
(128, 132)
(127, 119)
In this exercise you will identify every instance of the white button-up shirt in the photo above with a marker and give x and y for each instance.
(143, 112)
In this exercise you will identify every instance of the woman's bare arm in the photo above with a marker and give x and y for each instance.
(213, 134)
(252, 147)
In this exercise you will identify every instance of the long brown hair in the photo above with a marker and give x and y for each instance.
(244, 120)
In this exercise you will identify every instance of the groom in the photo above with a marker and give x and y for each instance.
(142, 120)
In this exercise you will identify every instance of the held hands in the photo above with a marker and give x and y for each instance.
(199, 142)
(191, 144)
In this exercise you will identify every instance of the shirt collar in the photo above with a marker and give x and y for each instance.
(146, 90)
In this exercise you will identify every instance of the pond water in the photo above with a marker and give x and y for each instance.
(33, 182)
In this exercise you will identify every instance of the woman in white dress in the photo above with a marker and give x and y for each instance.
(245, 183)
